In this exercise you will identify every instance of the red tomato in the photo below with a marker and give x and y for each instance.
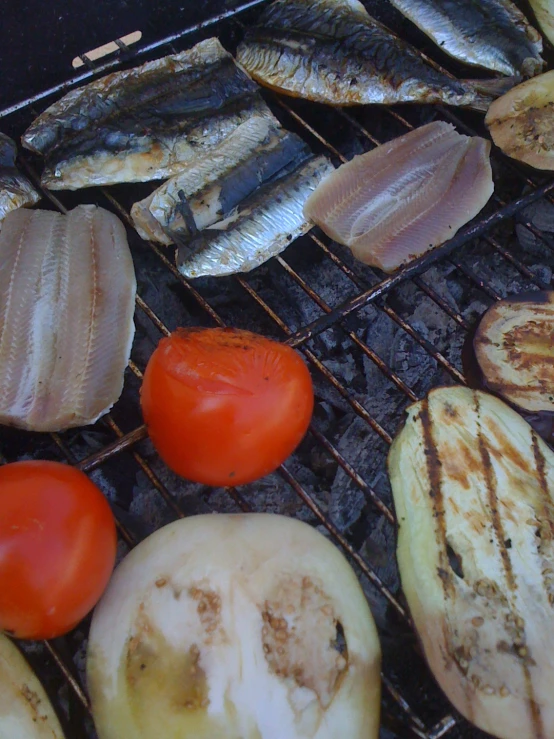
(57, 548)
(225, 406)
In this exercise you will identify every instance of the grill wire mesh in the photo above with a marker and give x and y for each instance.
(373, 345)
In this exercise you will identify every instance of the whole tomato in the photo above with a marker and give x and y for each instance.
(225, 406)
(57, 548)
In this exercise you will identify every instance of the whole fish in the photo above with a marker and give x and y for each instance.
(15, 190)
(211, 187)
(67, 299)
(263, 225)
(144, 123)
(332, 51)
(493, 34)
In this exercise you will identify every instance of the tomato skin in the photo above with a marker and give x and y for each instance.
(225, 406)
(57, 548)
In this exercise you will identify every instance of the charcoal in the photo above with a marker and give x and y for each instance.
(378, 336)
(543, 273)
(411, 361)
(273, 494)
(449, 291)
(541, 216)
(365, 452)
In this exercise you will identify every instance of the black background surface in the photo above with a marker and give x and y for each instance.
(40, 38)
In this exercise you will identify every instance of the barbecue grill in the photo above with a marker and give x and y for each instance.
(373, 344)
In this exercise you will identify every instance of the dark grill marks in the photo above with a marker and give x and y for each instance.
(434, 473)
(546, 501)
(490, 481)
(546, 521)
(534, 707)
(501, 538)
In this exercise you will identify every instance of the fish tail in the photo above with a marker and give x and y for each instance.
(485, 91)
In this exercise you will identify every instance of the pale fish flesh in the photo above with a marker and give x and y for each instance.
(261, 227)
(210, 188)
(493, 34)
(144, 123)
(405, 197)
(67, 292)
(15, 190)
(332, 51)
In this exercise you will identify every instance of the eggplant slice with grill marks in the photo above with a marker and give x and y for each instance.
(144, 123)
(514, 347)
(473, 488)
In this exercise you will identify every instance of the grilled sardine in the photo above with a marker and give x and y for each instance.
(67, 289)
(211, 187)
(145, 123)
(473, 489)
(332, 51)
(262, 226)
(15, 190)
(493, 34)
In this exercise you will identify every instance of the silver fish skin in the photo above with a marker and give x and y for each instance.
(260, 228)
(15, 189)
(334, 52)
(144, 123)
(67, 298)
(493, 34)
(209, 189)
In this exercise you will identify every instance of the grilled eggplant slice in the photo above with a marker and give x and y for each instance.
(544, 11)
(520, 122)
(234, 626)
(473, 487)
(514, 348)
(25, 710)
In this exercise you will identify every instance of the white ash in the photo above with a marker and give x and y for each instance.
(365, 452)
(541, 215)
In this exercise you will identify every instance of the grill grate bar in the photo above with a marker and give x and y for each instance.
(150, 474)
(392, 376)
(442, 727)
(351, 472)
(356, 405)
(481, 283)
(110, 450)
(69, 676)
(400, 700)
(440, 358)
(335, 533)
(441, 302)
(416, 267)
(112, 64)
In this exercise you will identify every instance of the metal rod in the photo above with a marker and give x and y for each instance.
(117, 60)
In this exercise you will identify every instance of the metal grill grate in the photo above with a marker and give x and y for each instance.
(473, 260)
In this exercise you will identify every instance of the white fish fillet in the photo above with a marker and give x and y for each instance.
(405, 197)
(67, 291)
